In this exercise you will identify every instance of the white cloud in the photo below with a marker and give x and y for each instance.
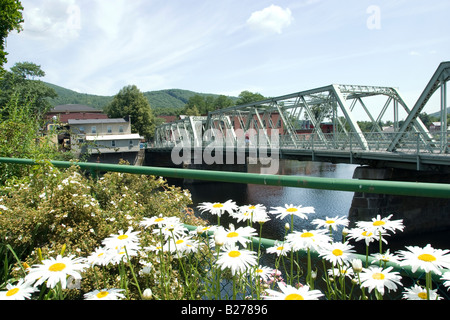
(52, 20)
(272, 19)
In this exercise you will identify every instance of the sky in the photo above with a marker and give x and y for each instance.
(228, 46)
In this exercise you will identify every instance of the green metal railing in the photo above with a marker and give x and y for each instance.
(431, 190)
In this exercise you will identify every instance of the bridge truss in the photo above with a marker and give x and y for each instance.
(321, 123)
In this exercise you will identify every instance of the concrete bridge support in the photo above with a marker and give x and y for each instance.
(420, 215)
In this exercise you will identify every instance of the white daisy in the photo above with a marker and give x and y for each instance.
(287, 210)
(20, 291)
(182, 245)
(105, 294)
(101, 257)
(279, 248)
(240, 235)
(384, 257)
(252, 213)
(218, 208)
(291, 293)
(379, 279)
(343, 271)
(171, 230)
(159, 221)
(307, 239)
(427, 259)
(56, 270)
(366, 235)
(129, 239)
(263, 272)
(420, 293)
(337, 253)
(237, 260)
(446, 278)
(332, 223)
(381, 224)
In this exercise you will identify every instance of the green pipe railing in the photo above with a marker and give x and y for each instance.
(401, 188)
(417, 189)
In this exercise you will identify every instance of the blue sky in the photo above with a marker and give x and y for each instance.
(225, 47)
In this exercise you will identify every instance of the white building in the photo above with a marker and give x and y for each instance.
(106, 137)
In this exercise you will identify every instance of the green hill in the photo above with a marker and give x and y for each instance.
(169, 99)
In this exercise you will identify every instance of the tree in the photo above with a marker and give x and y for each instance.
(249, 97)
(20, 82)
(10, 19)
(131, 102)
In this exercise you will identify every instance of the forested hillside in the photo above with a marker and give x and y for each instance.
(169, 100)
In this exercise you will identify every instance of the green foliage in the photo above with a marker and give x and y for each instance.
(52, 210)
(249, 97)
(130, 101)
(202, 104)
(10, 19)
(20, 82)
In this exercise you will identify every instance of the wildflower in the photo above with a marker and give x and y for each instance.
(20, 291)
(368, 235)
(101, 257)
(357, 265)
(344, 271)
(420, 293)
(428, 259)
(182, 245)
(159, 221)
(252, 213)
(121, 253)
(56, 270)
(446, 276)
(379, 278)
(307, 239)
(236, 259)
(241, 235)
(218, 208)
(3, 207)
(336, 252)
(128, 239)
(202, 229)
(279, 249)
(105, 294)
(263, 272)
(298, 211)
(384, 257)
(291, 293)
(147, 294)
(332, 223)
(172, 229)
(381, 224)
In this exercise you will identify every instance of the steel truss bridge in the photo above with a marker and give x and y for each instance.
(321, 125)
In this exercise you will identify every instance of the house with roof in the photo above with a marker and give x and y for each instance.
(104, 140)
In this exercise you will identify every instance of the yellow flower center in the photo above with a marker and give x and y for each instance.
(379, 223)
(329, 221)
(179, 241)
(292, 210)
(57, 267)
(232, 235)
(294, 296)
(378, 276)
(122, 237)
(234, 254)
(367, 234)
(217, 205)
(337, 252)
(259, 271)
(102, 294)
(280, 248)
(12, 292)
(307, 235)
(159, 219)
(427, 257)
(252, 207)
(422, 295)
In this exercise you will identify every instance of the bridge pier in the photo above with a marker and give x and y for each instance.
(420, 215)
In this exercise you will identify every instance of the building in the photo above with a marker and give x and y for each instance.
(104, 140)
(63, 113)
